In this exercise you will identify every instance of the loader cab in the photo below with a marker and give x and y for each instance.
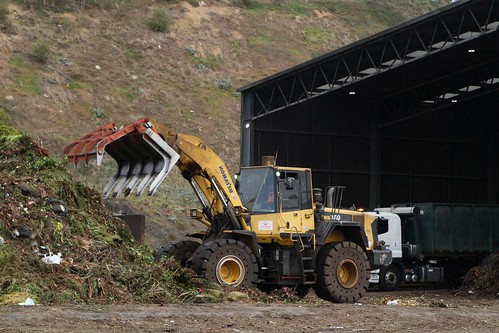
(278, 199)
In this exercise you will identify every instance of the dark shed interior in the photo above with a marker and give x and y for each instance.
(408, 115)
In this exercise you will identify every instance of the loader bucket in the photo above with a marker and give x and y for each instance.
(144, 159)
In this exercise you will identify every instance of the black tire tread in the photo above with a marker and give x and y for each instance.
(181, 250)
(327, 286)
(202, 261)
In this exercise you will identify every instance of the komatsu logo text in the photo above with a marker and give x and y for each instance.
(226, 179)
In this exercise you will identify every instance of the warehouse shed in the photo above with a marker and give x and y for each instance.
(410, 114)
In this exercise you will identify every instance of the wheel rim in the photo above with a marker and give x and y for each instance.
(391, 278)
(230, 271)
(348, 273)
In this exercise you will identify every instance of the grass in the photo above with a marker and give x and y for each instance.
(25, 78)
(130, 92)
(363, 17)
(133, 53)
(213, 62)
(260, 43)
(76, 84)
(27, 82)
(317, 39)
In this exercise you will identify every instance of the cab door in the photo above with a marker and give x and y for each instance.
(295, 200)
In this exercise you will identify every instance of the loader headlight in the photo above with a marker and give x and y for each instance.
(194, 213)
(237, 210)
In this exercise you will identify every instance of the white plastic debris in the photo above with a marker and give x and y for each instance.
(2, 241)
(14, 233)
(52, 259)
(392, 302)
(28, 302)
(97, 67)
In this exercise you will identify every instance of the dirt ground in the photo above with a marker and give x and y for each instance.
(416, 310)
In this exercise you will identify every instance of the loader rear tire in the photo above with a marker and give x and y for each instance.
(227, 262)
(180, 250)
(342, 272)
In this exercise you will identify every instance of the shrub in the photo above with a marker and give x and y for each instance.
(245, 3)
(224, 85)
(5, 24)
(98, 113)
(160, 21)
(4, 117)
(6, 131)
(41, 52)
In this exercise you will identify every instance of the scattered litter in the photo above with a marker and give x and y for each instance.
(97, 67)
(28, 302)
(2, 241)
(52, 259)
(336, 328)
(392, 302)
(25, 232)
(58, 206)
(14, 233)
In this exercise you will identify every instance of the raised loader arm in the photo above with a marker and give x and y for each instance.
(146, 153)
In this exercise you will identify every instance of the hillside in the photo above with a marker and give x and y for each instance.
(70, 66)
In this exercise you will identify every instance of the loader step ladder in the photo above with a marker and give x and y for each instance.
(307, 260)
(305, 244)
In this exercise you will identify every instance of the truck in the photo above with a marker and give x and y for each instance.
(269, 228)
(435, 242)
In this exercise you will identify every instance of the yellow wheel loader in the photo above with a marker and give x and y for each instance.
(267, 229)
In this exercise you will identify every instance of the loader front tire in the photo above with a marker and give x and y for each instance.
(180, 250)
(227, 262)
(342, 272)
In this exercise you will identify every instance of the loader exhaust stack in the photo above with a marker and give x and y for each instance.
(143, 157)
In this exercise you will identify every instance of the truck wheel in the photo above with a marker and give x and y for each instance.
(389, 278)
(180, 250)
(227, 262)
(342, 272)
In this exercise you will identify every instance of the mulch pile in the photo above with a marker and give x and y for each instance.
(46, 215)
(483, 280)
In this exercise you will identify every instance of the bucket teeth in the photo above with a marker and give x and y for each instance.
(143, 158)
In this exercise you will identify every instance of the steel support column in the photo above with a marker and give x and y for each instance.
(247, 130)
